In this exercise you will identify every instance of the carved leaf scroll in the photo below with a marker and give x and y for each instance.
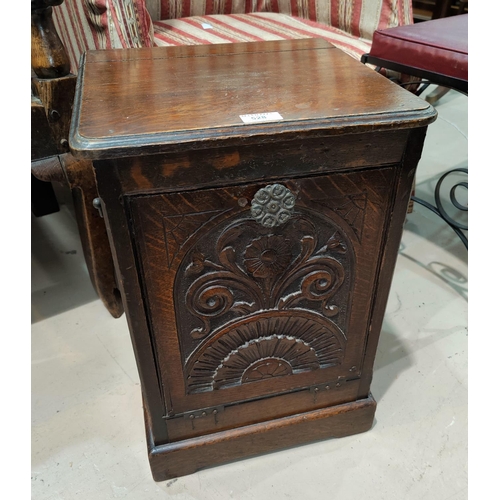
(263, 303)
(268, 268)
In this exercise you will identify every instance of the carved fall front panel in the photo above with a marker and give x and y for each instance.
(254, 301)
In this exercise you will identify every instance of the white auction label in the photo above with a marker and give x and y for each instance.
(261, 117)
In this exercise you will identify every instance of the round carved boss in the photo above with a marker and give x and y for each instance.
(272, 205)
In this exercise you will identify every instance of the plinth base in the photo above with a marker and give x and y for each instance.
(190, 455)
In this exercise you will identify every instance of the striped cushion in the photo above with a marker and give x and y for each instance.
(359, 18)
(199, 30)
(108, 24)
(102, 24)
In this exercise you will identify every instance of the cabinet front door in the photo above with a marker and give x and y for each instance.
(262, 289)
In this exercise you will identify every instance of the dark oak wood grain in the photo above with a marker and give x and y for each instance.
(188, 456)
(194, 97)
(390, 248)
(254, 260)
(169, 232)
(93, 234)
(268, 161)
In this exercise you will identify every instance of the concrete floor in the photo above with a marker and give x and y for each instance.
(87, 424)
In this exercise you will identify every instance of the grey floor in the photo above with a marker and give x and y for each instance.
(87, 424)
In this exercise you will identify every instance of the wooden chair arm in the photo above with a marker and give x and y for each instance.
(53, 89)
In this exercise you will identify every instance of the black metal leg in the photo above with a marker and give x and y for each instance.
(439, 209)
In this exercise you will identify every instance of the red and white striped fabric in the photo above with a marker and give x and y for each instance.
(197, 30)
(359, 18)
(110, 24)
(102, 24)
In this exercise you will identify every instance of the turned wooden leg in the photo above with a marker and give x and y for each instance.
(49, 58)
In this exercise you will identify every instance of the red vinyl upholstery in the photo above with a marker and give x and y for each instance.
(439, 46)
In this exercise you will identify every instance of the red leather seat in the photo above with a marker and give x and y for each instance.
(437, 50)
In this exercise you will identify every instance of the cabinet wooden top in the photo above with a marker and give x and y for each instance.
(151, 100)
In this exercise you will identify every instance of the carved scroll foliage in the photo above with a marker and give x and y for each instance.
(265, 273)
(262, 303)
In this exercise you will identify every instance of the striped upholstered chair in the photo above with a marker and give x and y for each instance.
(103, 24)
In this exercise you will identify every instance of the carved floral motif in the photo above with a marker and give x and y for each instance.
(266, 368)
(265, 275)
(267, 256)
(265, 301)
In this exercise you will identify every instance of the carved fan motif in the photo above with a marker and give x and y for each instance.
(266, 368)
(255, 303)
(178, 229)
(264, 358)
(351, 208)
(301, 339)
